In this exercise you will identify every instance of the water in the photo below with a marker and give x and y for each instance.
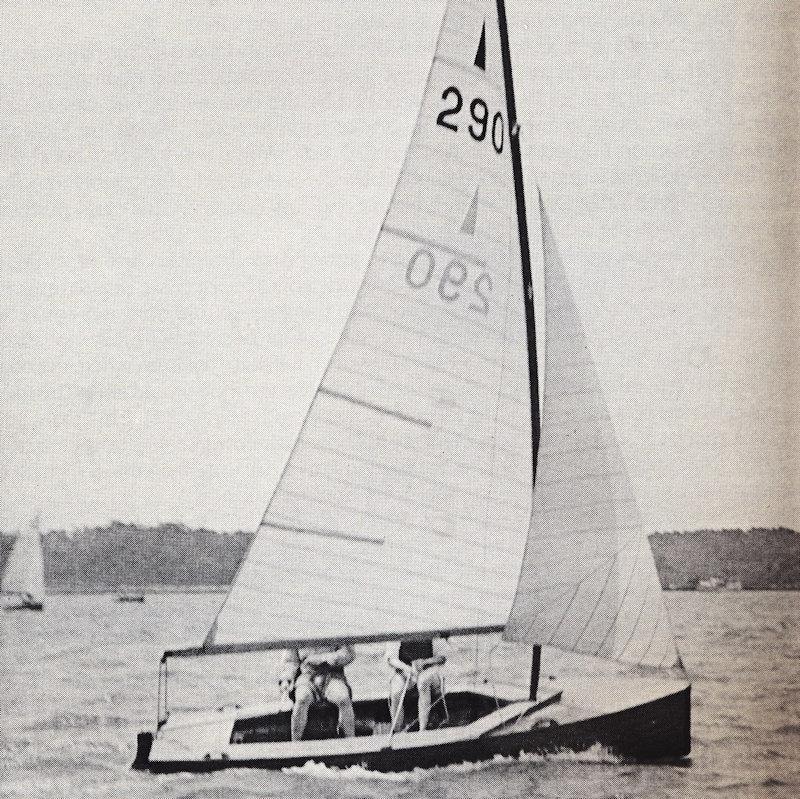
(79, 681)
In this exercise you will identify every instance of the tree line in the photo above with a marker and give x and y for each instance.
(123, 556)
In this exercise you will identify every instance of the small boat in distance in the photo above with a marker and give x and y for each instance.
(426, 496)
(130, 597)
(23, 576)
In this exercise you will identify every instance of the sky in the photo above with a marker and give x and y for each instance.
(190, 193)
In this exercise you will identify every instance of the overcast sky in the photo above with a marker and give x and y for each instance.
(190, 193)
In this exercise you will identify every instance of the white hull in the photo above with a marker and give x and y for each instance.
(207, 736)
(647, 728)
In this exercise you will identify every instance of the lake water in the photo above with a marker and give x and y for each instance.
(79, 681)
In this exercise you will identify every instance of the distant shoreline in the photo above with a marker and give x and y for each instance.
(224, 590)
(179, 589)
(172, 558)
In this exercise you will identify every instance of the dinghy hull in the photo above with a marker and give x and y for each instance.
(654, 731)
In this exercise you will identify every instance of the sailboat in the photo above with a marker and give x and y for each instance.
(23, 576)
(427, 496)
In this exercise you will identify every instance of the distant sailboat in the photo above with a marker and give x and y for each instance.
(413, 476)
(23, 576)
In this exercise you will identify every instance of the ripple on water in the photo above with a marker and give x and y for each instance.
(77, 721)
(594, 754)
(69, 715)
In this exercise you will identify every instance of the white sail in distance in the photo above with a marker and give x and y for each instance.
(588, 582)
(24, 569)
(406, 499)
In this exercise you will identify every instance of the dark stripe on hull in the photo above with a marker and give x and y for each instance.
(655, 731)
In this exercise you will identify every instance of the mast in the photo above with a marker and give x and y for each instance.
(527, 280)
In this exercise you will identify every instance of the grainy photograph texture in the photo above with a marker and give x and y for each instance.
(399, 401)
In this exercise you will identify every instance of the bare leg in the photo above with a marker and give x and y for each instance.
(303, 699)
(425, 683)
(338, 693)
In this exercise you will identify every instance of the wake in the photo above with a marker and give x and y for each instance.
(594, 754)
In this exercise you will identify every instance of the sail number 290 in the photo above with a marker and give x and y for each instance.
(479, 125)
(421, 271)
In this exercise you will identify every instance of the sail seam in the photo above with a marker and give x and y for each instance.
(398, 470)
(473, 440)
(372, 438)
(582, 531)
(592, 476)
(548, 449)
(438, 578)
(485, 263)
(636, 623)
(584, 506)
(359, 558)
(609, 559)
(652, 635)
(502, 368)
(467, 193)
(469, 70)
(436, 214)
(394, 522)
(596, 606)
(628, 584)
(345, 602)
(442, 430)
(376, 285)
(425, 365)
(405, 234)
(428, 336)
(416, 503)
(492, 174)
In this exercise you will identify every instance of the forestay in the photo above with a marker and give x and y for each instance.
(405, 501)
(24, 570)
(588, 582)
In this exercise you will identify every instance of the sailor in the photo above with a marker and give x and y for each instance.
(316, 674)
(416, 665)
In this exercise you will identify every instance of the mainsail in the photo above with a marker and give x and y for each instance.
(588, 581)
(24, 570)
(406, 499)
